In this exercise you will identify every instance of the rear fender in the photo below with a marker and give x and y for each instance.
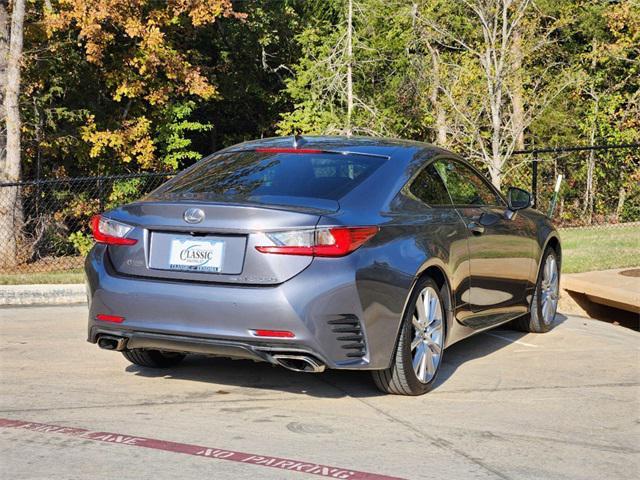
(445, 290)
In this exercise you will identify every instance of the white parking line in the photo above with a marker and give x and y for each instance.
(511, 340)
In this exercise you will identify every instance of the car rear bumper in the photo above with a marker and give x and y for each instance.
(127, 339)
(322, 307)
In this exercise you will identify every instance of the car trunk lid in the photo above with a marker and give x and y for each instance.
(220, 248)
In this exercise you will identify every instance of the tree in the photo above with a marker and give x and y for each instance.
(598, 45)
(148, 70)
(322, 88)
(125, 86)
(250, 61)
(346, 79)
(611, 92)
(484, 86)
(4, 56)
(10, 205)
(427, 64)
(349, 63)
(517, 93)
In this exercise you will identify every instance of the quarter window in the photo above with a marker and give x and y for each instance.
(429, 188)
(465, 186)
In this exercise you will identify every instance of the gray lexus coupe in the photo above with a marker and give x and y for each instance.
(321, 252)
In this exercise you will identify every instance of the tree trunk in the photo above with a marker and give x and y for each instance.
(4, 54)
(588, 194)
(495, 172)
(441, 126)
(622, 196)
(496, 161)
(434, 98)
(517, 101)
(10, 204)
(349, 66)
(587, 208)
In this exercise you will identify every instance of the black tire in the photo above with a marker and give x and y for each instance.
(533, 321)
(153, 358)
(400, 378)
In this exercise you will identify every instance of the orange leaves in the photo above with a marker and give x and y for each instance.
(128, 38)
(198, 85)
(141, 52)
(624, 16)
(131, 142)
(623, 22)
(202, 12)
(88, 20)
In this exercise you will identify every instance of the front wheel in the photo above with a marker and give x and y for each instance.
(420, 346)
(545, 298)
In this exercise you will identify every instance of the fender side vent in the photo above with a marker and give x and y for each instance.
(349, 333)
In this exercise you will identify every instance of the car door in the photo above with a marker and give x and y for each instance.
(500, 246)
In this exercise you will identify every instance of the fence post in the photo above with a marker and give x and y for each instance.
(534, 181)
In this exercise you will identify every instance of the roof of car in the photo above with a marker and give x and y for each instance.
(356, 144)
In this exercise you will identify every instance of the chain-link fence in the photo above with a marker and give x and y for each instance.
(600, 184)
(44, 225)
(597, 205)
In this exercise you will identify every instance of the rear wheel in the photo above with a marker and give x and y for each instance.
(420, 346)
(545, 298)
(153, 358)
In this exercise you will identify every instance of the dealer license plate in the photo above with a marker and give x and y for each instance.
(197, 255)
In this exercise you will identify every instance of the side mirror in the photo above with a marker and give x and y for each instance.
(517, 199)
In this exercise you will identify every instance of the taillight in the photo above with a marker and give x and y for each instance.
(111, 232)
(319, 242)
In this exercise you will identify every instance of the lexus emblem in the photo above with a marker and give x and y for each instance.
(193, 215)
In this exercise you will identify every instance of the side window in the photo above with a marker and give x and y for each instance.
(428, 187)
(465, 186)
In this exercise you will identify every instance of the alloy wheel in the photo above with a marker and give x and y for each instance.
(427, 339)
(549, 289)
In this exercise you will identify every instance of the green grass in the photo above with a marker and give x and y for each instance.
(600, 248)
(71, 276)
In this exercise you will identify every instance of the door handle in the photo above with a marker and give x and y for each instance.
(475, 228)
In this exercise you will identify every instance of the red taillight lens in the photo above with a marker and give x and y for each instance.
(111, 232)
(273, 333)
(320, 242)
(346, 240)
(110, 318)
(308, 251)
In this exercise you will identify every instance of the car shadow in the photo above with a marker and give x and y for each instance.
(227, 374)
(481, 345)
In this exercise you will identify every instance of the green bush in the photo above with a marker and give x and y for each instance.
(81, 242)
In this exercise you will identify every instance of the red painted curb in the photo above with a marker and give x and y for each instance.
(197, 450)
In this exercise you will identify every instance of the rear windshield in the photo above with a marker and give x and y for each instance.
(249, 174)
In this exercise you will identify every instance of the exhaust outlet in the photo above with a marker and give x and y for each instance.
(299, 363)
(110, 342)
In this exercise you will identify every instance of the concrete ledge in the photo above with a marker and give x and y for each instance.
(42, 294)
(606, 287)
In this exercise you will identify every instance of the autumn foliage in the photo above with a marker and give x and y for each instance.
(137, 46)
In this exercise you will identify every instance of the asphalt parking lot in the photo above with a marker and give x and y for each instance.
(560, 405)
